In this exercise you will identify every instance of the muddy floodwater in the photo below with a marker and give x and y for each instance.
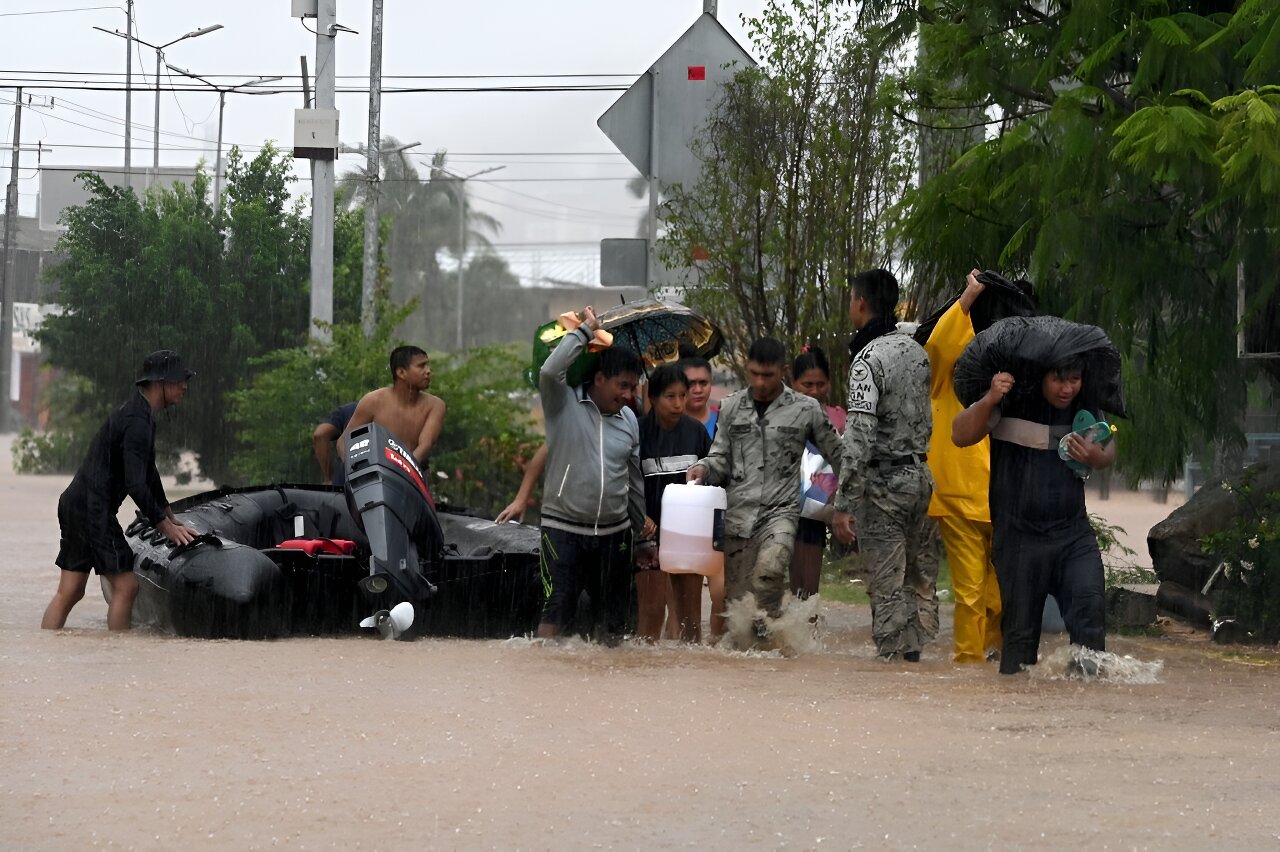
(147, 741)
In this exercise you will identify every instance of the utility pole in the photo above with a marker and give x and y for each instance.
(709, 6)
(128, 95)
(652, 265)
(7, 283)
(369, 272)
(217, 157)
(155, 128)
(322, 178)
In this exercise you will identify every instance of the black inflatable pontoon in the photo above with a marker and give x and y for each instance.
(278, 560)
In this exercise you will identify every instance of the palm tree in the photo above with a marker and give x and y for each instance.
(398, 180)
(423, 218)
(442, 199)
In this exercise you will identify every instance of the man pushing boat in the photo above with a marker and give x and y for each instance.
(121, 460)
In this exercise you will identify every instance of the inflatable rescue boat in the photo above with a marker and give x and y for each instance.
(280, 560)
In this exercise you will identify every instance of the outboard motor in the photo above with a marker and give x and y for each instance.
(388, 498)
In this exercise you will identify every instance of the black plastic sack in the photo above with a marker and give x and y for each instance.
(1027, 347)
(1002, 298)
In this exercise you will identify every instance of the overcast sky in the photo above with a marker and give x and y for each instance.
(562, 183)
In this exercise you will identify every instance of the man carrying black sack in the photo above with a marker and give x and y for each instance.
(121, 460)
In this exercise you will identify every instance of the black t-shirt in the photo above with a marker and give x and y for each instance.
(121, 460)
(1033, 490)
(665, 455)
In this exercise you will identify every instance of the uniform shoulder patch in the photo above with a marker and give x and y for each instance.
(863, 393)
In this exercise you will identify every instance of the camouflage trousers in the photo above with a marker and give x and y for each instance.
(899, 546)
(761, 564)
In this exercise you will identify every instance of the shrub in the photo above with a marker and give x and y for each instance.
(46, 452)
(1250, 552)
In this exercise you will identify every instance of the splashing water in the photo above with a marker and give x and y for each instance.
(1073, 662)
(794, 632)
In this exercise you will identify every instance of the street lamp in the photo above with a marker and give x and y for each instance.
(159, 49)
(222, 102)
(462, 230)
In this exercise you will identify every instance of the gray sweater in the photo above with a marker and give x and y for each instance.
(592, 484)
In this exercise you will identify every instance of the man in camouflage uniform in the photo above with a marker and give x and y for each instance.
(756, 454)
(885, 484)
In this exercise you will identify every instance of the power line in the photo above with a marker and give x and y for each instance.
(90, 86)
(521, 154)
(117, 74)
(56, 11)
(90, 112)
(596, 215)
(50, 146)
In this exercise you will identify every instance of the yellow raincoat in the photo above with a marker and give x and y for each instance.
(962, 476)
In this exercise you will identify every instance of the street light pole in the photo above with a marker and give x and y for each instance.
(222, 102)
(217, 157)
(462, 235)
(159, 49)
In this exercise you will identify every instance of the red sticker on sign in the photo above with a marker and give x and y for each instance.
(697, 72)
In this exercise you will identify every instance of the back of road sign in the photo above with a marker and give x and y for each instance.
(688, 76)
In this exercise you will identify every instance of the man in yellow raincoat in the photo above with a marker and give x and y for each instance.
(962, 476)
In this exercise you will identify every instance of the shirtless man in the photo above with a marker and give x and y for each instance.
(414, 416)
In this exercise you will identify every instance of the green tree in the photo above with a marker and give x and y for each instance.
(487, 435)
(802, 158)
(161, 270)
(272, 414)
(1129, 169)
(487, 427)
(267, 262)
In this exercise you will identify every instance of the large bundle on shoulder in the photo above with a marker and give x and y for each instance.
(1027, 347)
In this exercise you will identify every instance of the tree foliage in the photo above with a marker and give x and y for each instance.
(487, 428)
(293, 389)
(164, 271)
(487, 436)
(1129, 169)
(802, 159)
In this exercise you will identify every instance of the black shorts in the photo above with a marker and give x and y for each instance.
(809, 531)
(572, 563)
(90, 542)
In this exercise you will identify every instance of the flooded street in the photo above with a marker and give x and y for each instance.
(148, 741)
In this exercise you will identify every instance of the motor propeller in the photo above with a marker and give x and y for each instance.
(391, 623)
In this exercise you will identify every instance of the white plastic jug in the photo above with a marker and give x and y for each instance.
(688, 529)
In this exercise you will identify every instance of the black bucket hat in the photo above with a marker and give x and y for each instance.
(164, 365)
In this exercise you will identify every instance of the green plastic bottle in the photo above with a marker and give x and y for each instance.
(1092, 430)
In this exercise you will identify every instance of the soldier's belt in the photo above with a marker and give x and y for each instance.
(900, 461)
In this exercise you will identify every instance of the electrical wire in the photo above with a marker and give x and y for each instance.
(348, 76)
(58, 11)
(90, 86)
